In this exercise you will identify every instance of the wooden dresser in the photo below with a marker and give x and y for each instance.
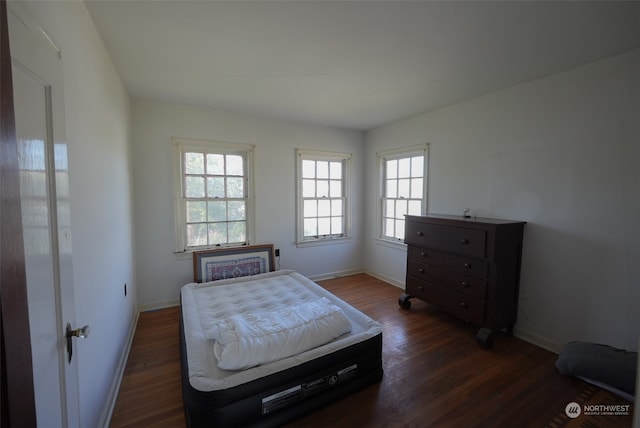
(468, 267)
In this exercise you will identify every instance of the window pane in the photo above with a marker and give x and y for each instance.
(335, 188)
(336, 225)
(234, 165)
(194, 187)
(389, 206)
(416, 188)
(194, 163)
(403, 192)
(417, 166)
(215, 164)
(322, 169)
(310, 208)
(324, 207)
(215, 187)
(237, 231)
(335, 170)
(310, 227)
(388, 227)
(401, 208)
(392, 169)
(62, 184)
(236, 210)
(415, 208)
(217, 211)
(403, 188)
(323, 188)
(36, 182)
(336, 207)
(217, 233)
(308, 169)
(399, 229)
(214, 196)
(196, 235)
(324, 226)
(235, 187)
(322, 195)
(404, 167)
(392, 189)
(196, 211)
(308, 188)
(64, 214)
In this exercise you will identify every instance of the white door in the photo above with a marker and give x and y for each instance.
(44, 192)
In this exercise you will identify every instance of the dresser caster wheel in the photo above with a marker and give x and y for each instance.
(484, 338)
(404, 301)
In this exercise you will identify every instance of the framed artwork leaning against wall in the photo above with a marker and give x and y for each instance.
(232, 262)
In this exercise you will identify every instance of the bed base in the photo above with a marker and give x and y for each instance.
(282, 397)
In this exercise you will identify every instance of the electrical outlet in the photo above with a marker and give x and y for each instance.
(277, 252)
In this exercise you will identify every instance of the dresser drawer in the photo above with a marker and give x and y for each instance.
(462, 265)
(460, 305)
(466, 285)
(450, 239)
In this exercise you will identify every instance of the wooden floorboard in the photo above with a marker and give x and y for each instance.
(434, 374)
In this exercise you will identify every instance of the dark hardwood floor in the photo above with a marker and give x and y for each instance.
(435, 374)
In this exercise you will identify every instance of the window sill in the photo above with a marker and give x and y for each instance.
(327, 241)
(188, 253)
(398, 245)
(183, 255)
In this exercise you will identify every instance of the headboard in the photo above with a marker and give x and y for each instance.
(232, 262)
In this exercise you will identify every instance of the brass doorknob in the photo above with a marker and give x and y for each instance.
(82, 333)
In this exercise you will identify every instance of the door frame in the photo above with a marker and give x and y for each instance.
(17, 399)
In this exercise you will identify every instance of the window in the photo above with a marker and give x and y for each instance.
(403, 189)
(322, 194)
(213, 203)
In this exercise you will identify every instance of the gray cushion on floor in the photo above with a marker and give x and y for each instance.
(602, 363)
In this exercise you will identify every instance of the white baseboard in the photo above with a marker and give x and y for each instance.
(338, 274)
(386, 279)
(158, 305)
(105, 419)
(537, 340)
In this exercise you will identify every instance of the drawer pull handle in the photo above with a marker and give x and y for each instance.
(465, 284)
(420, 288)
(421, 270)
(420, 233)
(467, 265)
(463, 305)
(423, 254)
(464, 241)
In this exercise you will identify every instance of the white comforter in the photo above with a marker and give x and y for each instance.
(247, 340)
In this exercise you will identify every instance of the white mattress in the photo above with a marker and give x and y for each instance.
(203, 304)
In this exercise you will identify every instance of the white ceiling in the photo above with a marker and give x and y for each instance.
(351, 64)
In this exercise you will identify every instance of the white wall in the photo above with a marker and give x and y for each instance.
(561, 153)
(98, 132)
(160, 272)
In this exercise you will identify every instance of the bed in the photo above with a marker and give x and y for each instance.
(273, 392)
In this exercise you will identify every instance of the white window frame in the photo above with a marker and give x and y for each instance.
(345, 159)
(407, 152)
(182, 145)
